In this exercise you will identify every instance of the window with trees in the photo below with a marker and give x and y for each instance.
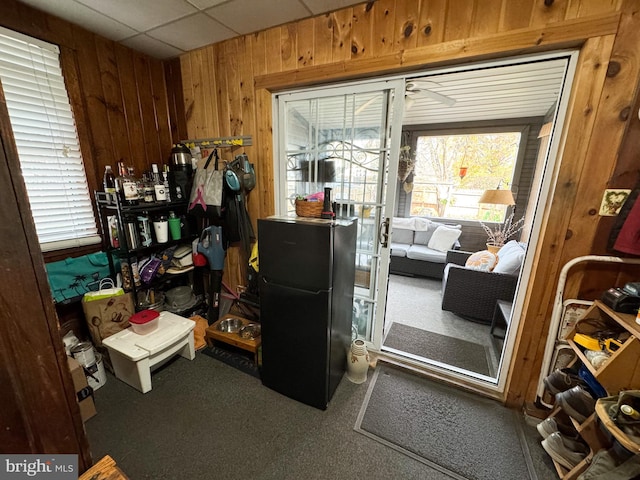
(451, 171)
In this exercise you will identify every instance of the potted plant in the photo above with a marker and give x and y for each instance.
(498, 235)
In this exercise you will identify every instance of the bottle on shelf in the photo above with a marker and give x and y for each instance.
(158, 184)
(165, 181)
(126, 186)
(149, 194)
(109, 184)
(138, 182)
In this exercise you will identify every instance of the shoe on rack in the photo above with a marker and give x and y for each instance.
(565, 451)
(561, 381)
(550, 425)
(577, 403)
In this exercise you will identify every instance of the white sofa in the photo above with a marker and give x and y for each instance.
(419, 246)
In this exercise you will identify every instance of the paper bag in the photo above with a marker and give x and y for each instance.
(107, 316)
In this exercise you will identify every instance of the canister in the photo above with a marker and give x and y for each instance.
(144, 228)
(131, 231)
(83, 353)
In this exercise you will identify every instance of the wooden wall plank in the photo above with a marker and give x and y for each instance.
(548, 12)
(515, 14)
(161, 109)
(113, 100)
(289, 46)
(407, 15)
(94, 99)
(486, 18)
(273, 48)
(173, 78)
(342, 30)
(383, 27)
(586, 8)
(151, 141)
(323, 39)
(362, 31)
(187, 94)
(431, 25)
(232, 54)
(198, 86)
(459, 16)
(133, 116)
(305, 46)
(220, 59)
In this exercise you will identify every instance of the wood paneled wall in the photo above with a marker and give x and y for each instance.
(226, 90)
(118, 95)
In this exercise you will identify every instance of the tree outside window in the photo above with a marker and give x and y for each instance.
(443, 188)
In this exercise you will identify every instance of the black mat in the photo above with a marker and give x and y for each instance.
(450, 350)
(234, 357)
(463, 435)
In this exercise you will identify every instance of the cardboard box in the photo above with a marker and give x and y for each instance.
(84, 393)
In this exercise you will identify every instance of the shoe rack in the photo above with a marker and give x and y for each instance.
(620, 372)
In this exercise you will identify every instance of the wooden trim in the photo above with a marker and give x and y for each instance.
(525, 40)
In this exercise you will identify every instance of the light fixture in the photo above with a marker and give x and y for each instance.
(497, 197)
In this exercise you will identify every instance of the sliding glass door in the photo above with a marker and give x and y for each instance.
(342, 138)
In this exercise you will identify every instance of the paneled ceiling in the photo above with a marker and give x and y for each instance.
(168, 28)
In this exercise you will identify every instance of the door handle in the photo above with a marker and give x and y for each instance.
(383, 233)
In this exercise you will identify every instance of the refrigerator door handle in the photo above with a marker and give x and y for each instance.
(287, 287)
(383, 233)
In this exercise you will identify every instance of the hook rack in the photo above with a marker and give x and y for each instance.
(237, 141)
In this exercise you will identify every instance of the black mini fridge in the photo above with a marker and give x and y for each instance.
(307, 275)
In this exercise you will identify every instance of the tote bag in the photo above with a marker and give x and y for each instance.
(206, 194)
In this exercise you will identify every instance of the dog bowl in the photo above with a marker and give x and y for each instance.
(230, 325)
(250, 331)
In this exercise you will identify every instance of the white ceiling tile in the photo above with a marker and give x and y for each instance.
(192, 32)
(151, 46)
(323, 6)
(247, 16)
(79, 14)
(142, 15)
(203, 4)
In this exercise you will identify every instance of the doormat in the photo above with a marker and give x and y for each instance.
(462, 435)
(450, 350)
(234, 357)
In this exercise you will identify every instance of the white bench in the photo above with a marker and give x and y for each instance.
(134, 356)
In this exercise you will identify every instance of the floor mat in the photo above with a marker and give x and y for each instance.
(450, 350)
(234, 357)
(460, 434)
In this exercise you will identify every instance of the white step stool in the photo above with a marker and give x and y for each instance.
(134, 356)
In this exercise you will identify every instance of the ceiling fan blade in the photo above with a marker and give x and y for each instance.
(438, 97)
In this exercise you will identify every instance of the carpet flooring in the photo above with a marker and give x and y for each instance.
(440, 348)
(462, 435)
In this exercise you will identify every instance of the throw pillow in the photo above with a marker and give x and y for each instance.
(510, 258)
(443, 238)
(484, 261)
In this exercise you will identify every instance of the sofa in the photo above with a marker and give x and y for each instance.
(473, 282)
(419, 246)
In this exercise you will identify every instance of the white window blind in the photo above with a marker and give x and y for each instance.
(47, 142)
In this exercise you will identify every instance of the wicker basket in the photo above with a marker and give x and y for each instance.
(308, 209)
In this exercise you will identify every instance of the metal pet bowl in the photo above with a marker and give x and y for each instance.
(250, 331)
(230, 325)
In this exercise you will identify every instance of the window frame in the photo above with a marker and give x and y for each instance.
(520, 125)
(68, 60)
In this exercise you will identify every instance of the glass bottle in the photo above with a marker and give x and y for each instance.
(165, 181)
(158, 184)
(138, 182)
(149, 195)
(109, 184)
(126, 186)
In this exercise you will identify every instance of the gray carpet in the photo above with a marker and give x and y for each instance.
(463, 435)
(445, 349)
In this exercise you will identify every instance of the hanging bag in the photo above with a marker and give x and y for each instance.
(107, 311)
(206, 194)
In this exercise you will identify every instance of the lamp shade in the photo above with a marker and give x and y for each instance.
(497, 197)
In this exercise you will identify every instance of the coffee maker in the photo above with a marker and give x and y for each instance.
(180, 172)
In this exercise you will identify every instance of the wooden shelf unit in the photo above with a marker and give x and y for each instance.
(620, 372)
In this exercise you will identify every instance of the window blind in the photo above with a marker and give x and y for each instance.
(47, 142)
